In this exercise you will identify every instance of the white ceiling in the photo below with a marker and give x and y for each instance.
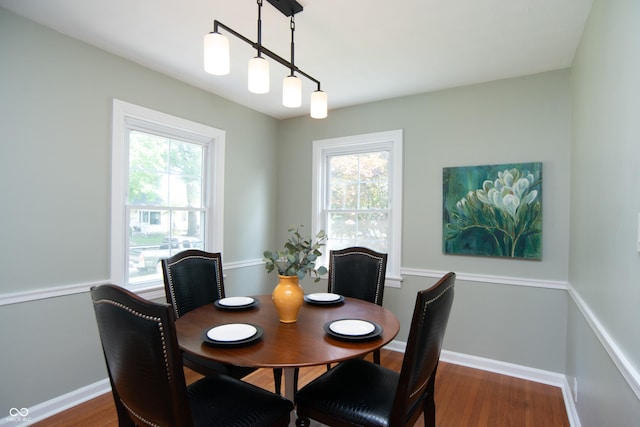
(360, 50)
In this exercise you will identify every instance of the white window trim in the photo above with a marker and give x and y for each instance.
(123, 113)
(388, 140)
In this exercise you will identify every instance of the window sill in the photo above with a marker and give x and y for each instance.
(393, 282)
(149, 291)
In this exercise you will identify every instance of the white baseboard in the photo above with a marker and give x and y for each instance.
(56, 405)
(510, 369)
(51, 407)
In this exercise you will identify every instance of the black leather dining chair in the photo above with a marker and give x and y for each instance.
(193, 278)
(358, 272)
(360, 393)
(147, 377)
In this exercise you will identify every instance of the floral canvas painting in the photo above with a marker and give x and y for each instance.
(493, 210)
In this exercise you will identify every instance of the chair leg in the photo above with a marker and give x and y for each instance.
(429, 412)
(302, 422)
(296, 373)
(277, 380)
(376, 356)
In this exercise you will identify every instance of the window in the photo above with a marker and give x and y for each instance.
(167, 184)
(357, 194)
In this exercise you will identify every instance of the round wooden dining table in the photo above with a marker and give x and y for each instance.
(285, 345)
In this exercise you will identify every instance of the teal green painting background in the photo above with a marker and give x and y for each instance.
(477, 221)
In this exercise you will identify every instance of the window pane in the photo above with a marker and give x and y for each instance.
(369, 229)
(147, 167)
(344, 195)
(149, 243)
(342, 226)
(343, 182)
(374, 166)
(374, 195)
(185, 191)
(374, 180)
(358, 187)
(186, 168)
(166, 174)
(359, 181)
(372, 230)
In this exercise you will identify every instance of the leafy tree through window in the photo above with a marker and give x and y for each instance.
(167, 190)
(357, 194)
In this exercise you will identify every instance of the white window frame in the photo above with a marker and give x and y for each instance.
(127, 116)
(390, 141)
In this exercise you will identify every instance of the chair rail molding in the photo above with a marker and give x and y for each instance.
(52, 292)
(619, 358)
(242, 264)
(153, 291)
(500, 280)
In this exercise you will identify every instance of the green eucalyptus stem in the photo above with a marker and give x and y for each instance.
(298, 257)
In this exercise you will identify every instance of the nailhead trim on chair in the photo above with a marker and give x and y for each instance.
(424, 313)
(164, 347)
(437, 297)
(144, 420)
(172, 287)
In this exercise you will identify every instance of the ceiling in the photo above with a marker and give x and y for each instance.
(361, 51)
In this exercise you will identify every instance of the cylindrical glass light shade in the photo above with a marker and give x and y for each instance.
(258, 75)
(318, 104)
(292, 92)
(216, 54)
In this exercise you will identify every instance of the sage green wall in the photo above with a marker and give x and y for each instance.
(55, 116)
(518, 120)
(55, 122)
(605, 203)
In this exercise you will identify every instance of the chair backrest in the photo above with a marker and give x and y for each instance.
(143, 360)
(420, 362)
(358, 272)
(192, 278)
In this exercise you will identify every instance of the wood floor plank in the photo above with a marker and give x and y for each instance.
(464, 397)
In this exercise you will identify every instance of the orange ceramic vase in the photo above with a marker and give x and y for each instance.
(288, 297)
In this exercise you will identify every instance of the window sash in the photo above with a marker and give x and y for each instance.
(323, 150)
(129, 117)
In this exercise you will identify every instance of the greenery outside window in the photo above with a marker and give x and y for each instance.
(357, 194)
(166, 192)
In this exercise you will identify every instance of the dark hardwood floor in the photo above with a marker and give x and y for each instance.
(464, 397)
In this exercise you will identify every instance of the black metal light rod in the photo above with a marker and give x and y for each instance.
(264, 50)
(292, 25)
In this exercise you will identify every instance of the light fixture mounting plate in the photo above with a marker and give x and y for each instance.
(287, 7)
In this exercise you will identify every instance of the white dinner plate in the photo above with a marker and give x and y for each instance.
(232, 332)
(352, 327)
(235, 301)
(323, 297)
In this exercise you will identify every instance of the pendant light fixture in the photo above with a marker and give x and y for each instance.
(291, 85)
(216, 61)
(258, 66)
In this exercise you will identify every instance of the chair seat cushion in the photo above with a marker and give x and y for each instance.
(227, 402)
(354, 392)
